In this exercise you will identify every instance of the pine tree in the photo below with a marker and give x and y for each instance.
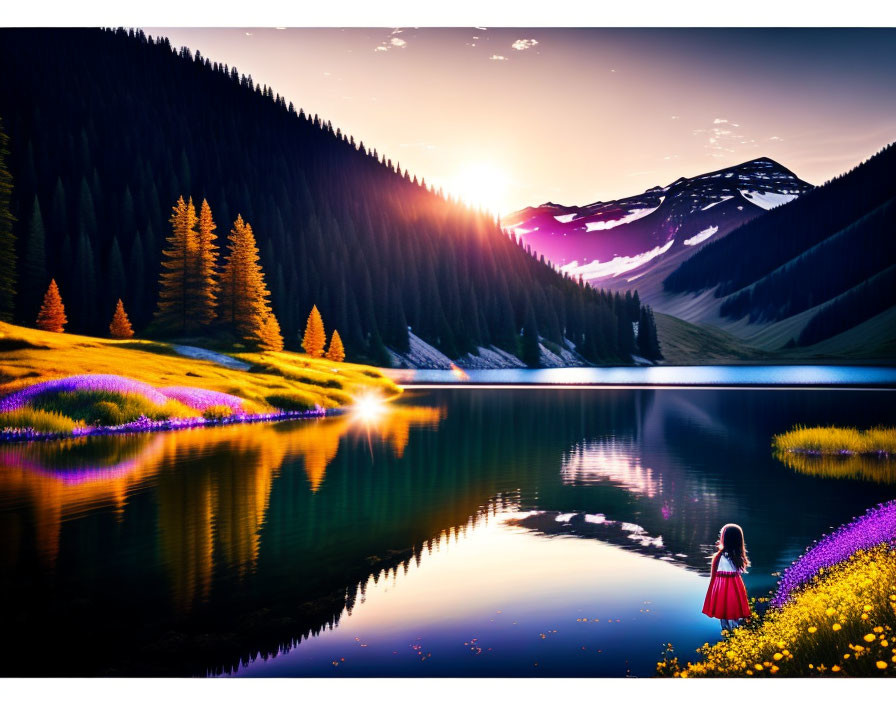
(34, 264)
(271, 337)
(173, 313)
(120, 327)
(7, 238)
(52, 313)
(244, 304)
(531, 351)
(648, 342)
(84, 283)
(205, 298)
(336, 352)
(115, 274)
(137, 275)
(315, 338)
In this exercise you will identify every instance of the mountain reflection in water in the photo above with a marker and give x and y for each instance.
(209, 550)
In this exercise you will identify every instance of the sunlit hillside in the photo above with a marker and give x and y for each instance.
(29, 356)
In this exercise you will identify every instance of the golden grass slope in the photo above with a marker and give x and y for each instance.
(28, 356)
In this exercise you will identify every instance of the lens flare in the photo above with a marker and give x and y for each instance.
(368, 408)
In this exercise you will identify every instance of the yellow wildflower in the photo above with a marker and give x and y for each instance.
(830, 611)
(812, 629)
(835, 668)
(836, 626)
(881, 665)
(869, 637)
(777, 656)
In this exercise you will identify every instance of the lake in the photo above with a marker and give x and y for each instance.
(459, 532)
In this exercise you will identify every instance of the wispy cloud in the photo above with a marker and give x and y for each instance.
(722, 139)
(393, 42)
(497, 57)
(523, 44)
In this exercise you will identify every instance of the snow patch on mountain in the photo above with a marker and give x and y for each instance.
(422, 355)
(633, 215)
(768, 200)
(712, 205)
(617, 265)
(490, 358)
(565, 218)
(701, 236)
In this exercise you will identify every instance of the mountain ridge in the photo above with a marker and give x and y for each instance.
(614, 243)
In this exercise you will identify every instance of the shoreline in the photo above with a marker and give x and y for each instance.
(430, 385)
(145, 425)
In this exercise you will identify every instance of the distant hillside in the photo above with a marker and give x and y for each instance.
(806, 271)
(108, 128)
(685, 343)
(637, 241)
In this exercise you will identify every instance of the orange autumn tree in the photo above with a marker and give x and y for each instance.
(271, 337)
(120, 327)
(52, 313)
(315, 338)
(205, 296)
(336, 352)
(176, 308)
(244, 304)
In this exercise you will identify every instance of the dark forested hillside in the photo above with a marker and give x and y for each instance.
(108, 128)
(789, 230)
(833, 247)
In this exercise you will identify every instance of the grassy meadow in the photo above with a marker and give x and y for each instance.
(275, 381)
(833, 440)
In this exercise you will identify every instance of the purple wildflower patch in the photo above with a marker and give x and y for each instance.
(200, 399)
(878, 525)
(82, 382)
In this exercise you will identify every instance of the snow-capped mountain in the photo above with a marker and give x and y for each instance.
(628, 243)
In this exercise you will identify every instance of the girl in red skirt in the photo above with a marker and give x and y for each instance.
(726, 598)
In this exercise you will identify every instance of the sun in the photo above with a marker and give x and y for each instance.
(482, 185)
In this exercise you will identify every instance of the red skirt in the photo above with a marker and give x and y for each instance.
(726, 597)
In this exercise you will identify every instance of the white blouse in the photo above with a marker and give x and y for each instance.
(725, 564)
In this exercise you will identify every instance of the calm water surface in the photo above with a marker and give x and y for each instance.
(462, 532)
(706, 375)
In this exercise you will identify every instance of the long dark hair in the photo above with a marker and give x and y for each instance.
(731, 543)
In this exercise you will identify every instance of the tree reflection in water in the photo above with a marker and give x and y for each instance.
(193, 551)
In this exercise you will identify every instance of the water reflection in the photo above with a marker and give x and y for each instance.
(198, 551)
(212, 488)
(614, 461)
(864, 467)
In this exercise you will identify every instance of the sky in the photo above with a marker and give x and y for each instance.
(510, 117)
